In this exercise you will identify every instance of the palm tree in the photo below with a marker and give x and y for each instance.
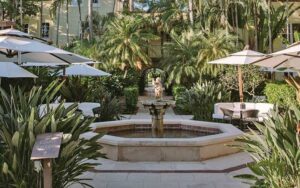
(171, 14)
(188, 54)
(41, 17)
(80, 17)
(269, 27)
(67, 18)
(190, 5)
(214, 46)
(181, 57)
(55, 12)
(125, 42)
(90, 16)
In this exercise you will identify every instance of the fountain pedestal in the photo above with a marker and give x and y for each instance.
(157, 109)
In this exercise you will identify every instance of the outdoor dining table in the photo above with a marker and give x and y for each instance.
(237, 112)
(85, 107)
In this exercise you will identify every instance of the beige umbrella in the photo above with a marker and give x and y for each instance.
(80, 69)
(17, 46)
(244, 57)
(11, 70)
(292, 49)
(284, 61)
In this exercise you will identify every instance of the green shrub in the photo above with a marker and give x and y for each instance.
(75, 90)
(200, 99)
(131, 98)
(281, 94)
(177, 90)
(110, 107)
(275, 151)
(21, 122)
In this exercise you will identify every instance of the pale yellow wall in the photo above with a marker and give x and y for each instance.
(103, 7)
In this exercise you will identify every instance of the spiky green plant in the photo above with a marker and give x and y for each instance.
(21, 121)
(200, 99)
(274, 147)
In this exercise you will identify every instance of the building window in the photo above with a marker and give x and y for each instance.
(25, 28)
(45, 30)
(95, 1)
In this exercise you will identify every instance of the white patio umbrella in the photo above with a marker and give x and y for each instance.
(292, 49)
(80, 69)
(11, 70)
(16, 46)
(277, 62)
(244, 57)
(36, 64)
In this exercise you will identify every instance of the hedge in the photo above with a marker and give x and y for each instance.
(281, 94)
(131, 97)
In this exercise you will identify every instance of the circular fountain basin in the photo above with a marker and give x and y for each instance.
(184, 140)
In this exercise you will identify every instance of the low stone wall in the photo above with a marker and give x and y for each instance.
(168, 149)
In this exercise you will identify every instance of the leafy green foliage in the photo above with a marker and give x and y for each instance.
(252, 78)
(10, 10)
(281, 94)
(110, 106)
(187, 55)
(177, 91)
(275, 151)
(200, 99)
(75, 90)
(125, 42)
(21, 121)
(131, 98)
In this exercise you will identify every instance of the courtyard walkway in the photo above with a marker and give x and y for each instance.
(213, 173)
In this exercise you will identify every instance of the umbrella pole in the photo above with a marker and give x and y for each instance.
(240, 79)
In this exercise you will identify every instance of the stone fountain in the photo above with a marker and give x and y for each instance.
(157, 108)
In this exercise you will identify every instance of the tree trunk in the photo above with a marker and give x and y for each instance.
(269, 28)
(191, 12)
(226, 17)
(237, 23)
(80, 18)
(255, 26)
(58, 23)
(41, 18)
(90, 15)
(68, 29)
(287, 21)
(130, 4)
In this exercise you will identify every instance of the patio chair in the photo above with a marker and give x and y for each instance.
(249, 116)
(96, 111)
(227, 114)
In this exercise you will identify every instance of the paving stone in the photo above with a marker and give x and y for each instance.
(161, 185)
(124, 185)
(144, 177)
(177, 177)
(196, 185)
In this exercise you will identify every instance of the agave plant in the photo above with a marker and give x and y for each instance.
(275, 151)
(201, 98)
(70, 90)
(21, 121)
